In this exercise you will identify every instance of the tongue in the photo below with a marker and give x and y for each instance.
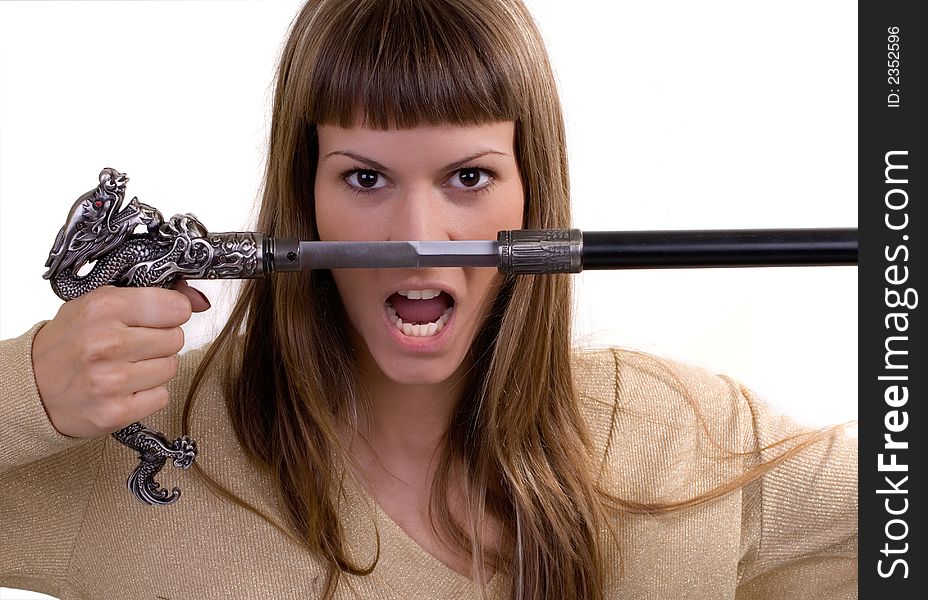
(419, 311)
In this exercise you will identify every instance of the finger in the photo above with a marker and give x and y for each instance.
(198, 300)
(150, 373)
(150, 307)
(142, 343)
(145, 403)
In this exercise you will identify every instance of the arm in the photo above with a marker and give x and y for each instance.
(105, 361)
(46, 479)
(799, 536)
(26, 433)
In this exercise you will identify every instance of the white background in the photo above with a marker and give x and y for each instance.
(681, 115)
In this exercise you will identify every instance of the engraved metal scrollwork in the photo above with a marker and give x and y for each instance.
(100, 231)
(236, 255)
(540, 251)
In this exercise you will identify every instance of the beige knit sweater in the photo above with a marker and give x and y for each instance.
(70, 528)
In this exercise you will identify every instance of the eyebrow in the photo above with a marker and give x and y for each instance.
(376, 165)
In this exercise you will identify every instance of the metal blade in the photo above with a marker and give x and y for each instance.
(398, 255)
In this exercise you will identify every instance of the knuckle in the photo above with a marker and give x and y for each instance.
(162, 397)
(181, 306)
(172, 366)
(101, 303)
(110, 416)
(104, 384)
(171, 305)
(97, 387)
(177, 341)
(98, 347)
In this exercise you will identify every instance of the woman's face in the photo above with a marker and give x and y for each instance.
(425, 183)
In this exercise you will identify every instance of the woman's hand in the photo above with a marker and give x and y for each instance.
(102, 362)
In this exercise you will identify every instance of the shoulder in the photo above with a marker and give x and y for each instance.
(638, 383)
(659, 427)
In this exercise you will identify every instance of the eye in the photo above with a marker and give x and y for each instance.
(366, 179)
(471, 179)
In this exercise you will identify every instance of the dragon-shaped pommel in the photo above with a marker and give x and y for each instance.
(97, 224)
(102, 231)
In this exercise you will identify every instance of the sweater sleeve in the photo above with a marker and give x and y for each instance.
(799, 521)
(46, 479)
(26, 433)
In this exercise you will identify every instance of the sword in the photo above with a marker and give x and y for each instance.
(101, 231)
(572, 250)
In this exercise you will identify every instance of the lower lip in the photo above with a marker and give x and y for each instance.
(423, 345)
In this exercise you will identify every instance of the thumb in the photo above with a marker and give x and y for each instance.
(198, 301)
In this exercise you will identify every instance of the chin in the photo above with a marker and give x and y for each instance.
(417, 371)
(418, 361)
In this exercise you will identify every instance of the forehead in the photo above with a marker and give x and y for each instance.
(423, 140)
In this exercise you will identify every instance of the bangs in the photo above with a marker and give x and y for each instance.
(405, 63)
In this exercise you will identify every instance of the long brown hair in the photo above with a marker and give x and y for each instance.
(517, 427)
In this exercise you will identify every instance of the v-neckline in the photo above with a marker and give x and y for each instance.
(398, 533)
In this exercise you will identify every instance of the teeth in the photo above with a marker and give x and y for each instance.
(419, 329)
(419, 294)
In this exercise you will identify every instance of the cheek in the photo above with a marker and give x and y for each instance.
(341, 218)
(483, 220)
(486, 283)
(334, 217)
(328, 219)
(355, 292)
(510, 212)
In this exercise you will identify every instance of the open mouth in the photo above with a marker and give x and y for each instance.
(420, 313)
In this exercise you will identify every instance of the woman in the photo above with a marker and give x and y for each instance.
(409, 433)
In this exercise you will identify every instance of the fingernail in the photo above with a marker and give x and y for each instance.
(205, 299)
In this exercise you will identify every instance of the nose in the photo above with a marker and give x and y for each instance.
(418, 215)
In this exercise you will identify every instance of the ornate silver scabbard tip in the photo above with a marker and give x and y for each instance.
(527, 251)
